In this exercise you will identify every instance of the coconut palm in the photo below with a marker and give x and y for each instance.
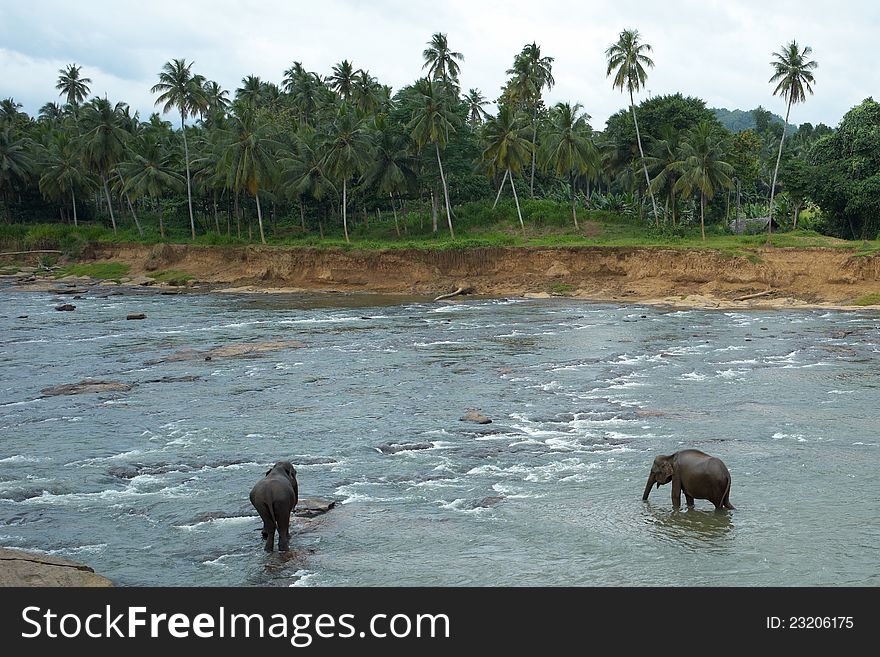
(365, 92)
(150, 171)
(342, 79)
(179, 88)
(702, 166)
(248, 157)
(793, 75)
(391, 171)
(347, 153)
(307, 91)
(216, 101)
(431, 122)
(475, 102)
(74, 88)
(568, 148)
(63, 174)
(666, 160)
(304, 171)
(531, 74)
(627, 61)
(506, 149)
(441, 61)
(50, 113)
(9, 111)
(103, 143)
(17, 162)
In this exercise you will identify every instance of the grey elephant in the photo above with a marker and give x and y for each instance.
(694, 473)
(275, 497)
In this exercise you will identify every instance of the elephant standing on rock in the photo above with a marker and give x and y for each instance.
(694, 473)
(274, 497)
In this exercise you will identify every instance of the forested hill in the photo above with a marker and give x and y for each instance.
(739, 120)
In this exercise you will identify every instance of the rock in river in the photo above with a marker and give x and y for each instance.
(136, 316)
(475, 416)
(394, 448)
(86, 386)
(65, 306)
(19, 568)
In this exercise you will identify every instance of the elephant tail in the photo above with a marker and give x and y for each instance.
(725, 501)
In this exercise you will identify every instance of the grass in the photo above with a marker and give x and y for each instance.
(872, 299)
(171, 277)
(104, 270)
(561, 289)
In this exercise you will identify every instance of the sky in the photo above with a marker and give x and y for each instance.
(718, 51)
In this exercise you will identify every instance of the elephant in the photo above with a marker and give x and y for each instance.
(694, 473)
(274, 497)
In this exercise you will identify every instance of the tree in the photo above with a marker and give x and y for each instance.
(627, 61)
(178, 87)
(531, 74)
(342, 79)
(506, 149)
(431, 122)
(475, 102)
(793, 75)
(248, 157)
(567, 147)
(441, 62)
(73, 87)
(150, 172)
(103, 142)
(304, 172)
(667, 159)
(63, 174)
(16, 163)
(702, 166)
(392, 164)
(348, 149)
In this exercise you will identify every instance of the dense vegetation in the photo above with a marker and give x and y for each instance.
(316, 158)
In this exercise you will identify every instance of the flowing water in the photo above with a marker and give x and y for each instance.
(150, 486)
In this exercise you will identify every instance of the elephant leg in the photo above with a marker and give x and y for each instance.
(269, 531)
(283, 517)
(688, 498)
(676, 492)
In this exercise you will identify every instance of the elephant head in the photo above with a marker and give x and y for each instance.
(284, 469)
(661, 473)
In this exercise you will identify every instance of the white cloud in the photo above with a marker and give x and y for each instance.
(719, 51)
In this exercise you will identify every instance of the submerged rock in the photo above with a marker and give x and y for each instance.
(475, 416)
(487, 502)
(65, 306)
(394, 448)
(311, 507)
(136, 316)
(86, 386)
(243, 350)
(19, 568)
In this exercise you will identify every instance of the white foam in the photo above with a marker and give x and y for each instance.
(304, 578)
(19, 458)
(235, 520)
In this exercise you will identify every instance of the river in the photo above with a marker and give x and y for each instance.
(150, 486)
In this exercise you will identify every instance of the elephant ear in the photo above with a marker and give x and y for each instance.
(268, 471)
(667, 468)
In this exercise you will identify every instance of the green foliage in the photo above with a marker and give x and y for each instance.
(171, 277)
(101, 270)
(872, 299)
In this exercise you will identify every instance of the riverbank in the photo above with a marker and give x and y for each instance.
(705, 278)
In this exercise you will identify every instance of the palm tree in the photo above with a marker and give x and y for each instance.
(63, 173)
(531, 74)
(792, 72)
(441, 61)
(568, 148)
(103, 142)
(179, 88)
(365, 93)
(347, 153)
(667, 158)
(392, 164)
(627, 61)
(71, 85)
(702, 167)
(506, 149)
(248, 157)
(475, 101)
(150, 172)
(9, 113)
(16, 163)
(342, 79)
(304, 172)
(431, 122)
(250, 91)
(216, 100)
(51, 112)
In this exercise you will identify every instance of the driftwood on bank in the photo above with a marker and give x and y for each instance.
(12, 253)
(755, 295)
(461, 290)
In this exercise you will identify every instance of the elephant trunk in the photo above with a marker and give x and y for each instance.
(651, 481)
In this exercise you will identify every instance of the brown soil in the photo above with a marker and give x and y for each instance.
(693, 278)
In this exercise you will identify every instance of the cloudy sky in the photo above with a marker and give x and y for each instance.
(719, 51)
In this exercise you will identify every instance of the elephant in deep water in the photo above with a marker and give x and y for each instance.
(694, 473)
(275, 497)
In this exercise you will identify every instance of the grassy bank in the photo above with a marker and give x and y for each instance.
(548, 224)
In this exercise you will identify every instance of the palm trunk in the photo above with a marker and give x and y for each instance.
(73, 203)
(216, 216)
(302, 216)
(237, 216)
(500, 187)
(445, 190)
(776, 170)
(534, 151)
(109, 202)
(344, 210)
(161, 221)
(434, 203)
(516, 200)
(130, 206)
(260, 217)
(702, 215)
(632, 106)
(573, 209)
(394, 210)
(192, 221)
